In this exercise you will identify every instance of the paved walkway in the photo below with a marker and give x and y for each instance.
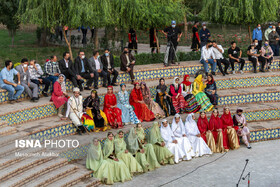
(263, 164)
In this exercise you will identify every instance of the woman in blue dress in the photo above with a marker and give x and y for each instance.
(128, 114)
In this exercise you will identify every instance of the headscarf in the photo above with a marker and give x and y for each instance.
(154, 134)
(175, 127)
(132, 141)
(140, 133)
(62, 84)
(94, 156)
(120, 145)
(166, 132)
(202, 122)
(191, 128)
(108, 147)
(160, 87)
(240, 118)
(112, 90)
(175, 84)
(198, 79)
(226, 118)
(137, 91)
(212, 80)
(185, 82)
(146, 90)
(215, 122)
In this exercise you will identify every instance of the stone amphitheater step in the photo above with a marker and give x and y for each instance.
(7, 130)
(48, 178)
(20, 167)
(152, 71)
(89, 182)
(36, 172)
(73, 178)
(4, 139)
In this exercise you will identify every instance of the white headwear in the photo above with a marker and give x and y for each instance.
(178, 129)
(76, 89)
(174, 82)
(191, 127)
(166, 133)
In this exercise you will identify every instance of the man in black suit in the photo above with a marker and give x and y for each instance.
(108, 66)
(67, 68)
(83, 69)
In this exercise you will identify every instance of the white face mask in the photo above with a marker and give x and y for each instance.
(173, 26)
(256, 44)
(273, 29)
(83, 56)
(204, 27)
(24, 65)
(259, 28)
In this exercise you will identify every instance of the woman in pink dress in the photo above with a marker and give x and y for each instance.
(59, 95)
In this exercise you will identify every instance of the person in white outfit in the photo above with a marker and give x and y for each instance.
(75, 110)
(192, 132)
(178, 130)
(170, 142)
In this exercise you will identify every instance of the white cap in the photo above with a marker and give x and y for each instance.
(76, 89)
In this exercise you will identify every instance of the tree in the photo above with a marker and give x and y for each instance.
(240, 11)
(145, 14)
(8, 10)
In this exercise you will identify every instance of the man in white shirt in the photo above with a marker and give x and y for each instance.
(97, 66)
(207, 56)
(218, 52)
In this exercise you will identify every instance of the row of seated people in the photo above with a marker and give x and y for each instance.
(122, 158)
(137, 107)
(29, 75)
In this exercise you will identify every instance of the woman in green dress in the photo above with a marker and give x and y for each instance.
(121, 172)
(164, 156)
(102, 168)
(123, 154)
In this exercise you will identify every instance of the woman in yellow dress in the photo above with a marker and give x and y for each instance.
(200, 96)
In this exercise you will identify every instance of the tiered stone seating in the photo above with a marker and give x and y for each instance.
(257, 94)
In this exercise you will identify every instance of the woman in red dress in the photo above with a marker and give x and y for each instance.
(140, 108)
(219, 133)
(59, 95)
(178, 100)
(232, 137)
(113, 113)
(206, 131)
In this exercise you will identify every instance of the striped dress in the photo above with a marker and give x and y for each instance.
(191, 104)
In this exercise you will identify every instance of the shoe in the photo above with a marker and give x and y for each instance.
(45, 94)
(87, 88)
(262, 70)
(213, 73)
(11, 101)
(114, 84)
(233, 72)
(96, 87)
(255, 71)
(226, 73)
(241, 71)
(249, 147)
(81, 88)
(33, 99)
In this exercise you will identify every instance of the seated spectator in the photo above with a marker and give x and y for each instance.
(274, 41)
(178, 100)
(59, 95)
(7, 82)
(25, 80)
(218, 52)
(97, 66)
(254, 56)
(52, 69)
(75, 110)
(211, 90)
(68, 70)
(127, 63)
(208, 56)
(83, 69)
(36, 74)
(267, 53)
(239, 121)
(235, 54)
(108, 66)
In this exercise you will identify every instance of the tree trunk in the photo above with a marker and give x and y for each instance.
(43, 40)
(155, 33)
(12, 34)
(68, 42)
(96, 39)
(249, 30)
(185, 26)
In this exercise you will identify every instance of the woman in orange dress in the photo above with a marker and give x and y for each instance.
(140, 108)
(113, 113)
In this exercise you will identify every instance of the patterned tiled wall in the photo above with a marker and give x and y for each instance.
(173, 72)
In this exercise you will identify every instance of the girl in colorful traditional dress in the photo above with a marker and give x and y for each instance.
(178, 100)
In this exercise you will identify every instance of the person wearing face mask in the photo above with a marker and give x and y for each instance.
(274, 41)
(97, 66)
(52, 70)
(68, 70)
(108, 66)
(267, 31)
(83, 69)
(127, 63)
(208, 56)
(132, 38)
(173, 34)
(257, 34)
(204, 35)
(29, 87)
(254, 55)
(267, 53)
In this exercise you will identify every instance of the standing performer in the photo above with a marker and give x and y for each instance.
(195, 40)
(132, 38)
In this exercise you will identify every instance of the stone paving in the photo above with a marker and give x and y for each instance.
(263, 164)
